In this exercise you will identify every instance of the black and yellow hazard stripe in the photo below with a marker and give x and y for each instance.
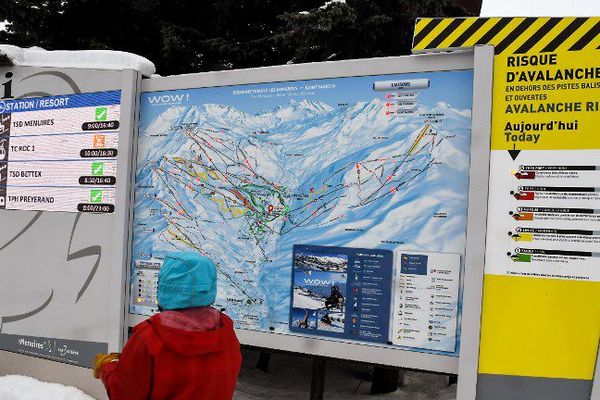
(515, 35)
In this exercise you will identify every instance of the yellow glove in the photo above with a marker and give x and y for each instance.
(101, 360)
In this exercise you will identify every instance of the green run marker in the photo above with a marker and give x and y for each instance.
(97, 168)
(96, 196)
(101, 113)
(520, 257)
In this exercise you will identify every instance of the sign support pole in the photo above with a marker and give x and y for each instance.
(476, 225)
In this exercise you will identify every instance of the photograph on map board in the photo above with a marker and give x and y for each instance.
(245, 173)
(303, 318)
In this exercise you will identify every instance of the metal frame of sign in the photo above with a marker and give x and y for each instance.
(596, 385)
(82, 252)
(476, 223)
(480, 60)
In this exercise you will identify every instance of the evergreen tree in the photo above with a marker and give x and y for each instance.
(182, 36)
(358, 28)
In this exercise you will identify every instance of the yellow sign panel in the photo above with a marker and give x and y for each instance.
(508, 35)
(546, 101)
(539, 327)
(541, 297)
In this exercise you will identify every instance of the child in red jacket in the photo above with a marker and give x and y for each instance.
(188, 351)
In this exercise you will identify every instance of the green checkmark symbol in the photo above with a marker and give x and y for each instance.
(96, 196)
(97, 168)
(101, 113)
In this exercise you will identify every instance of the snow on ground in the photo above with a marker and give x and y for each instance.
(15, 387)
(289, 378)
(98, 59)
(303, 300)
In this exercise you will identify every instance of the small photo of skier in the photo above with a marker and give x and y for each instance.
(304, 319)
(331, 321)
(320, 291)
(317, 261)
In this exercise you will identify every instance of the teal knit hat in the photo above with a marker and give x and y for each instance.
(186, 279)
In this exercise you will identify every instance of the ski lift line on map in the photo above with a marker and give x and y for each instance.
(393, 173)
(329, 193)
(397, 167)
(371, 171)
(190, 243)
(225, 198)
(324, 207)
(312, 216)
(376, 191)
(421, 171)
(325, 210)
(351, 165)
(166, 203)
(306, 221)
(181, 229)
(256, 237)
(223, 155)
(335, 190)
(172, 193)
(419, 137)
(396, 188)
(246, 203)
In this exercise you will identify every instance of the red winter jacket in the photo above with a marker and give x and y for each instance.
(190, 354)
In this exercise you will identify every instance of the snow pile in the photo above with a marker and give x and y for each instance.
(330, 2)
(16, 387)
(98, 59)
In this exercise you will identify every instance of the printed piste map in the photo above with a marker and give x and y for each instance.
(242, 173)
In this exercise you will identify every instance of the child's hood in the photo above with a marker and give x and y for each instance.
(193, 332)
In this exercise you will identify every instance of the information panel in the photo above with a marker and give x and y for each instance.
(426, 300)
(341, 292)
(306, 193)
(59, 153)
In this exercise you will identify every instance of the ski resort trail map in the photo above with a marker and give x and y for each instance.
(242, 173)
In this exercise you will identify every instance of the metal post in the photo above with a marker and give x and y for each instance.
(385, 380)
(477, 223)
(263, 361)
(596, 384)
(317, 385)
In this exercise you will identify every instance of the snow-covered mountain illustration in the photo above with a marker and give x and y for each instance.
(245, 187)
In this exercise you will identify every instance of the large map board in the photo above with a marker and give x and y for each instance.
(321, 200)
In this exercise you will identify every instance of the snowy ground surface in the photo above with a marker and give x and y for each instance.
(289, 378)
(14, 387)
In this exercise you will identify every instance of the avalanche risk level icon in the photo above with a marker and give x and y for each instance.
(519, 257)
(521, 236)
(522, 195)
(521, 216)
(525, 175)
